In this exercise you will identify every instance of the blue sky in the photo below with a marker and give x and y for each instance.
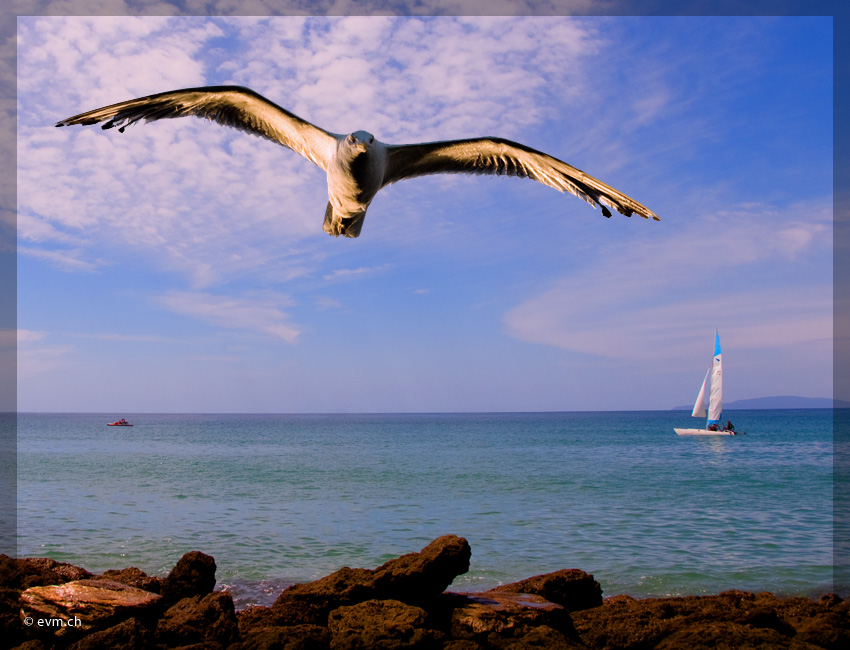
(181, 266)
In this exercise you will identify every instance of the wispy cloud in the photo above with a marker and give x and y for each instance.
(653, 299)
(36, 356)
(69, 260)
(209, 202)
(354, 273)
(125, 338)
(262, 314)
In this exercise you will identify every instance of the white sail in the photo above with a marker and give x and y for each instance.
(699, 405)
(715, 402)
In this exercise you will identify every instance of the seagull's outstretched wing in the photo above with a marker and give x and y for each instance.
(503, 157)
(235, 106)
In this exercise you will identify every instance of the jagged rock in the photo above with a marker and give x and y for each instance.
(573, 589)
(507, 616)
(543, 638)
(37, 571)
(255, 617)
(749, 620)
(32, 644)
(199, 619)
(292, 637)
(85, 605)
(127, 635)
(19, 574)
(193, 575)
(135, 578)
(381, 625)
(714, 635)
(462, 644)
(829, 630)
(11, 628)
(418, 577)
(414, 578)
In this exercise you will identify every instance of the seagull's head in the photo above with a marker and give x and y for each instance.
(360, 141)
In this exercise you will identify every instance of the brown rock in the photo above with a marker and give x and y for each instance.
(381, 625)
(199, 619)
(11, 627)
(85, 606)
(753, 620)
(135, 578)
(543, 638)
(713, 635)
(127, 635)
(828, 630)
(507, 616)
(32, 644)
(414, 578)
(421, 576)
(572, 589)
(293, 637)
(193, 575)
(35, 572)
(462, 644)
(255, 617)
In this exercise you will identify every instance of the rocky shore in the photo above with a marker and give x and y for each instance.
(48, 605)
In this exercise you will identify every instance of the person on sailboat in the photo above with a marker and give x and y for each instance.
(730, 426)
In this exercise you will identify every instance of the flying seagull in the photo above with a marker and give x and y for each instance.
(357, 164)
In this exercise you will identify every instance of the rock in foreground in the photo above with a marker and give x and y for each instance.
(401, 604)
(415, 578)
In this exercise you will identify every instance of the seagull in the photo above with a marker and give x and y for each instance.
(358, 165)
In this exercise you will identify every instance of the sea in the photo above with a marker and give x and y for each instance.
(282, 499)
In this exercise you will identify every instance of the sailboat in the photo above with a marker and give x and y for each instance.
(715, 399)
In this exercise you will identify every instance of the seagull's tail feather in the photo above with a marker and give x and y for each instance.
(336, 225)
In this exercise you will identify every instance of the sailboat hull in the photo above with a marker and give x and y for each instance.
(703, 432)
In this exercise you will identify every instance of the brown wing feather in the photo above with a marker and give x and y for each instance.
(233, 106)
(497, 156)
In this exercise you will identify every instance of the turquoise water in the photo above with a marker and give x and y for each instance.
(278, 499)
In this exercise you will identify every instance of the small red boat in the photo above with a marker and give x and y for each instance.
(121, 423)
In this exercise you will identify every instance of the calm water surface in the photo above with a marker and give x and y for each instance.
(278, 499)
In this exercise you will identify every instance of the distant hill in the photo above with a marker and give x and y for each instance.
(780, 402)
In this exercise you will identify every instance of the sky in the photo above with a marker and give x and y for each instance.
(181, 266)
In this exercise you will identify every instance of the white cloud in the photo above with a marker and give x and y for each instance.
(358, 272)
(69, 260)
(28, 336)
(654, 299)
(212, 203)
(36, 357)
(262, 314)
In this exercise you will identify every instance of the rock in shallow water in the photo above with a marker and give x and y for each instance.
(199, 619)
(414, 578)
(506, 615)
(572, 589)
(193, 575)
(398, 605)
